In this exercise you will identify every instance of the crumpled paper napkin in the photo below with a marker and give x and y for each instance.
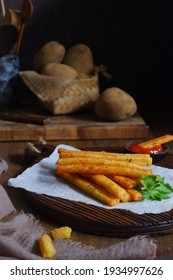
(19, 240)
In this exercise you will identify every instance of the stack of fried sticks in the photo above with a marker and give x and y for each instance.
(108, 177)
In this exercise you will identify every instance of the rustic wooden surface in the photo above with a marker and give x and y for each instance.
(74, 126)
(13, 153)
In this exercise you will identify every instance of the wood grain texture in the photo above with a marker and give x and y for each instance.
(74, 126)
(98, 221)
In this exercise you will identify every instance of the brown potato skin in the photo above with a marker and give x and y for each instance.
(52, 51)
(58, 70)
(114, 104)
(80, 57)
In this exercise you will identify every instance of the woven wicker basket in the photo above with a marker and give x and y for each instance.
(64, 97)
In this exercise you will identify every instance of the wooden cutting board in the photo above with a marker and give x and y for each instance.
(85, 125)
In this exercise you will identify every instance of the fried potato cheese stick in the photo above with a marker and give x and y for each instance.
(96, 161)
(156, 141)
(124, 182)
(142, 159)
(135, 195)
(132, 172)
(110, 186)
(91, 188)
(46, 246)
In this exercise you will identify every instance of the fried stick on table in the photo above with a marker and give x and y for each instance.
(46, 246)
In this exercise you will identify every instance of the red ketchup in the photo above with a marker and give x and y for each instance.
(154, 150)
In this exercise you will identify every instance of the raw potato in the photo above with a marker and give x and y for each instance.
(50, 52)
(115, 104)
(61, 71)
(80, 58)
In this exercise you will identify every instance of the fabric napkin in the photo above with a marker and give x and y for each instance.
(19, 239)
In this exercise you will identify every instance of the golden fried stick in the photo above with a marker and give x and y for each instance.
(142, 159)
(91, 188)
(128, 171)
(156, 141)
(109, 185)
(96, 161)
(135, 195)
(62, 232)
(46, 246)
(123, 181)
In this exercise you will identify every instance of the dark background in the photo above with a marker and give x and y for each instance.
(132, 38)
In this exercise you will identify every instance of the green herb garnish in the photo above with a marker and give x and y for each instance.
(153, 187)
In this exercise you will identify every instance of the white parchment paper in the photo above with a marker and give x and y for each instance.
(41, 178)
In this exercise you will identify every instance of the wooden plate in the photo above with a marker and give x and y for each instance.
(104, 222)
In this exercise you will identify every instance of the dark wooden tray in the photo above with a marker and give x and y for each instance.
(99, 221)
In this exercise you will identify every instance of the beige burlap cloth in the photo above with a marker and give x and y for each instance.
(19, 239)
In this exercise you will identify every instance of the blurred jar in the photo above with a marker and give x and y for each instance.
(9, 70)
